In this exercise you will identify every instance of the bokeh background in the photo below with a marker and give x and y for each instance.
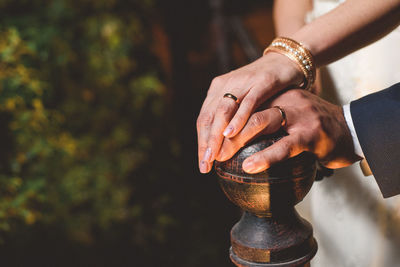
(98, 151)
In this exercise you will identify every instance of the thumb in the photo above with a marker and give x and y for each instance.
(287, 147)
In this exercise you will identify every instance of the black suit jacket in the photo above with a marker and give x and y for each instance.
(376, 119)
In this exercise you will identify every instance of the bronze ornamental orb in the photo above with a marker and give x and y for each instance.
(270, 232)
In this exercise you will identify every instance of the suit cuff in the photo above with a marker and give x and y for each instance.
(347, 116)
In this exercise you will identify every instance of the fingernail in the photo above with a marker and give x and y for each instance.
(207, 155)
(228, 131)
(203, 166)
(249, 165)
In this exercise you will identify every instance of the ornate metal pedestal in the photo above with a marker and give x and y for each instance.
(270, 232)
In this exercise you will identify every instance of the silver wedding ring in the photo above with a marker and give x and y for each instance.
(283, 114)
(229, 95)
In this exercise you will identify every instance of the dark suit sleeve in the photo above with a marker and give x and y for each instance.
(376, 119)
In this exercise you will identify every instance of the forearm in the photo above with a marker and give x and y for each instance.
(289, 15)
(350, 26)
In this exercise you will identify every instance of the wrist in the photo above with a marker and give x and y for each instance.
(287, 73)
(299, 55)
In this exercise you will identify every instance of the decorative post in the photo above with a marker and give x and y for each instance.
(270, 233)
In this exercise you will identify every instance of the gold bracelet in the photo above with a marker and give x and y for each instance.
(298, 54)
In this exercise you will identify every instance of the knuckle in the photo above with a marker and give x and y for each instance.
(204, 120)
(296, 93)
(217, 81)
(202, 147)
(316, 124)
(224, 110)
(308, 107)
(311, 108)
(257, 120)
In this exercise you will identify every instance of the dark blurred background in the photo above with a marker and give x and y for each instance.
(98, 150)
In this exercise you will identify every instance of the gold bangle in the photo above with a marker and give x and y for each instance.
(298, 54)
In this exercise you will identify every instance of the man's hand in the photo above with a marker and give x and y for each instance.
(252, 84)
(313, 125)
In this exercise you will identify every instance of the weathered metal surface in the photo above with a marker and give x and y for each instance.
(270, 232)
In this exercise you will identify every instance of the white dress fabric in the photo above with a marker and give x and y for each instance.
(353, 224)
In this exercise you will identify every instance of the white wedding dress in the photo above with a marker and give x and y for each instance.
(353, 224)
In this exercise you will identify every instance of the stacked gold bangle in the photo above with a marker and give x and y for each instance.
(297, 53)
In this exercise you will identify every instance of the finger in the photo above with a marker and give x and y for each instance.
(263, 122)
(285, 148)
(224, 113)
(204, 122)
(248, 105)
(208, 118)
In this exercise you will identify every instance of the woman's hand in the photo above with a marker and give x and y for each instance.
(313, 125)
(252, 84)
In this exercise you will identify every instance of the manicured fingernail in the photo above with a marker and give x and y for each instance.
(249, 165)
(228, 131)
(203, 166)
(207, 155)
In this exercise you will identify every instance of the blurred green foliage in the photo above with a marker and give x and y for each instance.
(81, 105)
